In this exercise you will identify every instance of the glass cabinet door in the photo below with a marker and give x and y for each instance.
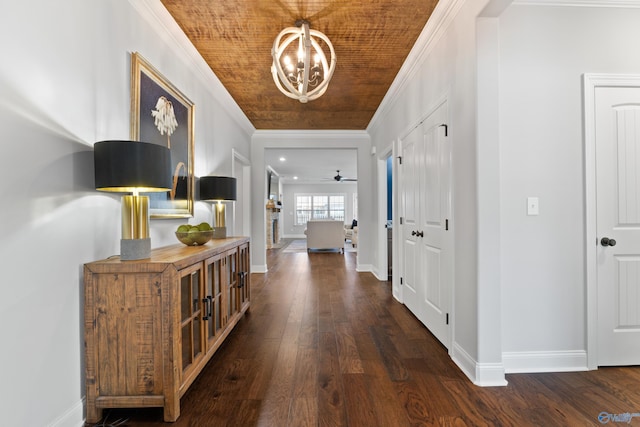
(231, 276)
(213, 298)
(244, 285)
(190, 315)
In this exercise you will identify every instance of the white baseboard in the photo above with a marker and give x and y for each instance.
(74, 417)
(465, 362)
(364, 268)
(481, 374)
(381, 277)
(259, 268)
(545, 361)
(490, 375)
(396, 290)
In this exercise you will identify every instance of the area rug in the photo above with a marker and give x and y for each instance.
(281, 244)
(300, 245)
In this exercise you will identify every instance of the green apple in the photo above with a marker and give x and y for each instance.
(204, 226)
(183, 228)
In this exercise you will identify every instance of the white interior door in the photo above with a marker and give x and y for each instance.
(617, 148)
(434, 209)
(409, 198)
(426, 250)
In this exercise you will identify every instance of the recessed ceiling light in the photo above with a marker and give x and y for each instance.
(295, 177)
(282, 159)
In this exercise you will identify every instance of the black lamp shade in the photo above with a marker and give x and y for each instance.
(217, 188)
(127, 166)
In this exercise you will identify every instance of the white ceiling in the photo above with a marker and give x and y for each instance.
(312, 165)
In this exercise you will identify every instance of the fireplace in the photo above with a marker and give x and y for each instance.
(275, 232)
(273, 227)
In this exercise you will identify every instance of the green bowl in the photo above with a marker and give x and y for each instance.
(193, 238)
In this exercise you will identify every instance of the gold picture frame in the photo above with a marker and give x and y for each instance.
(161, 114)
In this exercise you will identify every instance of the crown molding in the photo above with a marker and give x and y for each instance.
(439, 21)
(154, 12)
(307, 134)
(581, 3)
(331, 139)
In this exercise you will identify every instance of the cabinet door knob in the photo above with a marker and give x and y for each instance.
(241, 279)
(208, 303)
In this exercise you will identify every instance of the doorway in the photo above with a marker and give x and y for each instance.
(312, 171)
(385, 210)
(389, 224)
(241, 216)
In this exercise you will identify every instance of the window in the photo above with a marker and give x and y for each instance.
(319, 206)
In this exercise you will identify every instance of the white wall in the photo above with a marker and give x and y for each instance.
(446, 69)
(517, 133)
(64, 84)
(289, 229)
(541, 154)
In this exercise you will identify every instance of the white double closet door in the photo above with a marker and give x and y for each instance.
(425, 200)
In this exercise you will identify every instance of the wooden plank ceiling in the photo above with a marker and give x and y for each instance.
(372, 38)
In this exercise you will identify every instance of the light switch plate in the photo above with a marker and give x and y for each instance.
(533, 206)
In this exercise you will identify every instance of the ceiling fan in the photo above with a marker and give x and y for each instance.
(341, 178)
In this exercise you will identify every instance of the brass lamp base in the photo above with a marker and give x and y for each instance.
(220, 229)
(131, 249)
(135, 242)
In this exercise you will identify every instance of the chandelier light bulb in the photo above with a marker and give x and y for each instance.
(302, 81)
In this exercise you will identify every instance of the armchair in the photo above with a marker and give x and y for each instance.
(325, 234)
(351, 233)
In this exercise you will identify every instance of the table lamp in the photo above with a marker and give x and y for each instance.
(133, 167)
(218, 189)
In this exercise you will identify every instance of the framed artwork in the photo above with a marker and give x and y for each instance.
(161, 114)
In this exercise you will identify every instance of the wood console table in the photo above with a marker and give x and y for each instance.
(152, 325)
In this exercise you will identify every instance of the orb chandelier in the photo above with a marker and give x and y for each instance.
(307, 76)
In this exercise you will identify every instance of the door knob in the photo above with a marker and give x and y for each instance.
(420, 234)
(605, 241)
(413, 233)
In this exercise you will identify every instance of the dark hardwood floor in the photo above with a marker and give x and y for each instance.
(324, 345)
